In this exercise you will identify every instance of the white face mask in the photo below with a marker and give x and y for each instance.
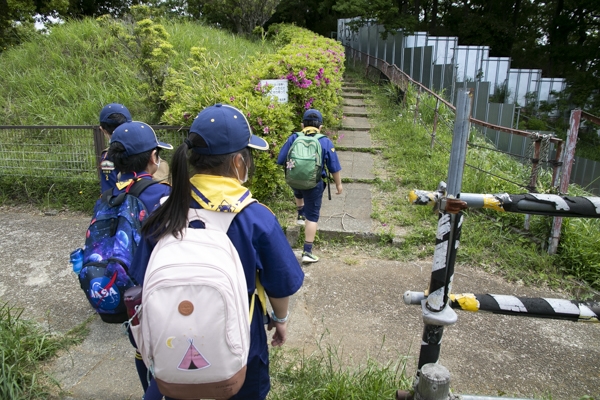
(246, 176)
(158, 163)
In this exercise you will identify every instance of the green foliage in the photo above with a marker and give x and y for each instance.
(322, 375)
(578, 252)
(76, 194)
(17, 18)
(240, 17)
(501, 93)
(147, 43)
(312, 65)
(65, 78)
(23, 345)
(392, 15)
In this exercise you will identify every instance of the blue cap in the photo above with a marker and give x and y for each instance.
(225, 130)
(313, 115)
(137, 137)
(114, 108)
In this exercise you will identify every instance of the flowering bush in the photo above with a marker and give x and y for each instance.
(312, 65)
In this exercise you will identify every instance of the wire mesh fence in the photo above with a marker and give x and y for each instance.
(63, 151)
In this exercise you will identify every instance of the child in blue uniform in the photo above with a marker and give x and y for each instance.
(134, 149)
(308, 202)
(111, 116)
(219, 146)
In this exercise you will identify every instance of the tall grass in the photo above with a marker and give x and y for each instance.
(23, 345)
(323, 376)
(65, 78)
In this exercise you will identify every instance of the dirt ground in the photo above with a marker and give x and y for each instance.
(349, 300)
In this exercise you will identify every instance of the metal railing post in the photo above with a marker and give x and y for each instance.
(565, 175)
(436, 311)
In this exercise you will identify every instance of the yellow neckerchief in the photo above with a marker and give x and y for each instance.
(219, 193)
(310, 130)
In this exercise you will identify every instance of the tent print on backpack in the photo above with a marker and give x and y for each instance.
(193, 359)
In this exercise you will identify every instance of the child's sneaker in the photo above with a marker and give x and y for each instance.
(301, 220)
(309, 257)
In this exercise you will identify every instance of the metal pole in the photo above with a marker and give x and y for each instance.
(435, 120)
(99, 143)
(436, 311)
(565, 176)
(417, 106)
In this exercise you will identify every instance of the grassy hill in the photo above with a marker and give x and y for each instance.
(66, 77)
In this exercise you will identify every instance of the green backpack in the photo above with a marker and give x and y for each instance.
(304, 162)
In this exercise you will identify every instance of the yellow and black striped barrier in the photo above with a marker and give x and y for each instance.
(537, 307)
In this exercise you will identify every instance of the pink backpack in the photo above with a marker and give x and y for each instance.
(194, 326)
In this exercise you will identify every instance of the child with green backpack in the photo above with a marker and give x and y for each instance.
(308, 156)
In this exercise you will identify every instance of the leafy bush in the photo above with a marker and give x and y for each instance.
(313, 66)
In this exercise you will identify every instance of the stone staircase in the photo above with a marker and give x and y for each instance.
(349, 215)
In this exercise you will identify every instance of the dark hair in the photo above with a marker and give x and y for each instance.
(311, 122)
(171, 217)
(116, 119)
(124, 163)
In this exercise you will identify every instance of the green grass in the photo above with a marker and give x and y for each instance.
(65, 78)
(23, 346)
(323, 375)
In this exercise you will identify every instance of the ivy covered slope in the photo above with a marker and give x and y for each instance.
(313, 66)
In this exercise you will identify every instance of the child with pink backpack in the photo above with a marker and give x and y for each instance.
(207, 255)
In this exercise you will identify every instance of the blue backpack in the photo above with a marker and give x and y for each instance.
(111, 241)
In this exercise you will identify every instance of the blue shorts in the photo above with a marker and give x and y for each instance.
(312, 201)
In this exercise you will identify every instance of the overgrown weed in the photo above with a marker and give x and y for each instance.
(23, 346)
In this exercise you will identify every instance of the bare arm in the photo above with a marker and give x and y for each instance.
(280, 308)
(337, 178)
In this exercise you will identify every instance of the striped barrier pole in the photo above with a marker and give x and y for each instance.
(531, 203)
(536, 307)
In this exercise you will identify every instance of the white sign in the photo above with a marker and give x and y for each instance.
(279, 89)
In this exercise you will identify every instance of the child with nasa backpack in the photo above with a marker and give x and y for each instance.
(115, 230)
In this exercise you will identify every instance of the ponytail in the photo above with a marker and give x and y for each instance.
(171, 217)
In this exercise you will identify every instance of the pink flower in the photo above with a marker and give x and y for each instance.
(232, 98)
(266, 130)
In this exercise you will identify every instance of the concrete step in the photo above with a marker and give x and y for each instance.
(357, 166)
(353, 140)
(352, 89)
(353, 102)
(356, 124)
(354, 111)
(347, 95)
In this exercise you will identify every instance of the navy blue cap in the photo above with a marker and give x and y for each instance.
(137, 137)
(313, 115)
(225, 130)
(114, 108)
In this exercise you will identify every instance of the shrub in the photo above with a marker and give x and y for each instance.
(313, 66)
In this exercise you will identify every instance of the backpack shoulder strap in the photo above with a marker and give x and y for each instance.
(135, 190)
(219, 221)
(139, 186)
